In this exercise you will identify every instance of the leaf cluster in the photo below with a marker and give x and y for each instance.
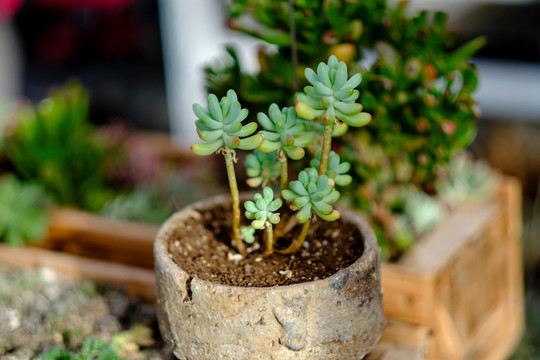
(221, 126)
(312, 192)
(263, 209)
(55, 146)
(23, 212)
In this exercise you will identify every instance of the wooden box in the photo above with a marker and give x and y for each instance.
(462, 284)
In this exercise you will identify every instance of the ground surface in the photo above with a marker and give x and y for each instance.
(40, 309)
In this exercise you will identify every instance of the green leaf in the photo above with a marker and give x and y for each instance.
(206, 148)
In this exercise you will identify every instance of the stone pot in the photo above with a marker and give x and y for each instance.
(339, 317)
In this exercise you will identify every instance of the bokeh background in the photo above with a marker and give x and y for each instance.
(131, 54)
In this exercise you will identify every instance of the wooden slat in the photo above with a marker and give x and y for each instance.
(407, 294)
(90, 235)
(135, 280)
(436, 250)
(407, 335)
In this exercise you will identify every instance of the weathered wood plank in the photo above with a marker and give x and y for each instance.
(138, 281)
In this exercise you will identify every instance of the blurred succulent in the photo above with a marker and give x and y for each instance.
(23, 212)
(262, 168)
(282, 131)
(262, 212)
(54, 145)
(221, 126)
(248, 234)
(423, 212)
(92, 349)
(262, 209)
(332, 95)
(337, 170)
(466, 180)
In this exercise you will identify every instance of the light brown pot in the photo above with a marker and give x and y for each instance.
(339, 317)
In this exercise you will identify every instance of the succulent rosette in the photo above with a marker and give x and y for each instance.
(337, 170)
(262, 209)
(221, 126)
(261, 168)
(312, 193)
(332, 96)
(283, 130)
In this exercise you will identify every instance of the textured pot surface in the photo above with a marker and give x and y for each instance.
(339, 317)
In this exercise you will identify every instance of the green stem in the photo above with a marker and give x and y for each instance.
(269, 240)
(284, 173)
(231, 174)
(297, 243)
(327, 144)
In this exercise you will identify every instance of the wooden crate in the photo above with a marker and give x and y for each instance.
(463, 282)
(456, 295)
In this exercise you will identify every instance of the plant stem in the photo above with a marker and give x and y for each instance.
(269, 240)
(297, 243)
(231, 174)
(294, 48)
(327, 144)
(284, 181)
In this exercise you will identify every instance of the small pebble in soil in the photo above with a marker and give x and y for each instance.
(234, 257)
(287, 273)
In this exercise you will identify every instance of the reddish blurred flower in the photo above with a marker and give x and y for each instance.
(8, 8)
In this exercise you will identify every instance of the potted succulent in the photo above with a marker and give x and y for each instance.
(308, 286)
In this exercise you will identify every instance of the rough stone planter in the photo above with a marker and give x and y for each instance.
(339, 317)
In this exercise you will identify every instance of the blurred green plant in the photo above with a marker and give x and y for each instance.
(23, 212)
(55, 146)
(122, 345)
(417, 83)
(92, 349)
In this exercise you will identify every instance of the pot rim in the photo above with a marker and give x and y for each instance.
(369, 255)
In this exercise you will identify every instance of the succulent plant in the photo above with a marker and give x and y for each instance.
(332, 95)
(221, 126)
(312, 192)
(284, 134)
(337, 170)
(261, 168)
(263, 213)
(282, 131)
(262, 209)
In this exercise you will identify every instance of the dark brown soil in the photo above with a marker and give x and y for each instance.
(203, 250)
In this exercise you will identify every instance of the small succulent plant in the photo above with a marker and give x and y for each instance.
(311, 193)
(337, 170)
(285, 133)
(263, 213)
(262, 168)
(331, 96)
(221, 128)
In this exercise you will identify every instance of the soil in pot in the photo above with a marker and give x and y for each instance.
(205, 250)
